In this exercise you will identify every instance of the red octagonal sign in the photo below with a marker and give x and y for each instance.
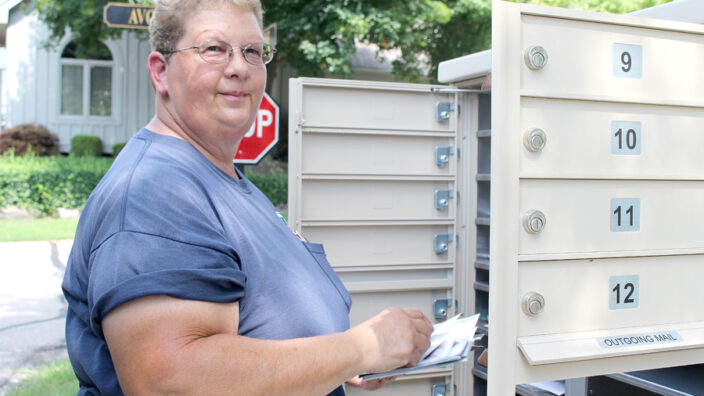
(262, 136)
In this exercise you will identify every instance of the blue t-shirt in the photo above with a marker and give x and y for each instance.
(166, 221)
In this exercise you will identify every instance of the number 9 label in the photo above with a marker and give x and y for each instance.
(628, 61)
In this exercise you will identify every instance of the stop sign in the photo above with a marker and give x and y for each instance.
(263, 134)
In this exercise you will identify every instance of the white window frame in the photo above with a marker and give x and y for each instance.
(87, 65)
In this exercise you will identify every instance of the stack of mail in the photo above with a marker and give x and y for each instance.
(450, 342)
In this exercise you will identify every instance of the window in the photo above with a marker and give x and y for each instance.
(86, 81)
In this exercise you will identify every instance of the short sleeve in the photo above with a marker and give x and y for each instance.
(130, 265)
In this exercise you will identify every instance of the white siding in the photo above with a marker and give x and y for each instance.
(34, 77)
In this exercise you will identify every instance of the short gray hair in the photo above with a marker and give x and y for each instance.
(169, 17)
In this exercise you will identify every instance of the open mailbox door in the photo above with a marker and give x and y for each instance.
(597, 195)
(374, 176)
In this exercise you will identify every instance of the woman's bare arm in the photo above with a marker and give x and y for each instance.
(164, 345)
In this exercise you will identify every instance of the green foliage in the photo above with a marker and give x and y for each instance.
(274, 186)
(54, 379)
(86, 146)
(44, 184)
(610, 6)
(29, 138)
(44, 229)
(117, 147)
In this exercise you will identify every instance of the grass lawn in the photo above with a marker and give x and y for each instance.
(53, 379)
(44, 229)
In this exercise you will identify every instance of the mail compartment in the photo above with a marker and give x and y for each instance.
(597, 218)
(368, 304)
(373, 154)
(615, 62)
(383, 244)
(367, 107)
(377, 199)
(612, 140)
(405, 387)
(596, 294)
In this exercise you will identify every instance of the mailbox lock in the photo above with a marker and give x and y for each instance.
(533, 303)
(534, 221)
(536, 57)
(534, 139)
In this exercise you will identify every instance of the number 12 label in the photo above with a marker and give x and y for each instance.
(625, 214)
(624, 292)
(628, 60)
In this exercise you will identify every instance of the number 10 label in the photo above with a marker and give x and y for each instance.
(625, 137)
(625, 214)
(628, 60)
(624, 291)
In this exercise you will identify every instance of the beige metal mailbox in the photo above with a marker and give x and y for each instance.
(569, 201)
(374, 175)
(605, 280)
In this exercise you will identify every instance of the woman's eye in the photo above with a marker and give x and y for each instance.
(253, 51)
(214, 48)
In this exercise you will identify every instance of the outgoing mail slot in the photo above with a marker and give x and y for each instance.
(599, 59)
(599, 294)
(379, 199)
(382, 244)
(612, 140)
(608, 218)
(355, 153)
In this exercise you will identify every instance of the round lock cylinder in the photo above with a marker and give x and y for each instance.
(534, 221)
(534, 139)
(532, 303)
(536, 57)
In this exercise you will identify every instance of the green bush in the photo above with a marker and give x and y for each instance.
(29, 138)
(274, 186)
(86, 146)
(44, 184)
(116, 148)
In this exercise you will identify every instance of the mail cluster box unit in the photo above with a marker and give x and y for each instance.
(597, 186)
(373, 176)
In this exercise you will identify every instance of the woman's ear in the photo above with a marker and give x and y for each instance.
(157, 65)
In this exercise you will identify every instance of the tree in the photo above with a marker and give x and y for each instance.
(319, 37)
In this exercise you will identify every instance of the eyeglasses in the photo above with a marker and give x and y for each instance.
(219, 52)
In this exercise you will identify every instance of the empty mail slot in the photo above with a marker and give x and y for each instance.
(371, 154)
(382, 199)
(381, 244)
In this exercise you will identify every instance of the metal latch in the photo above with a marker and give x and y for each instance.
(442, 111)
(442, 155)
(442, 242)
(442, 199)
(440, 309)
(438, 390)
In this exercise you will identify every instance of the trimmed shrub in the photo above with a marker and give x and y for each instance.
(117, 147)
(86, 146)
(274, 186)
(44, 184)
(26, 138)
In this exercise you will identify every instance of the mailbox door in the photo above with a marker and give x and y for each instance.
(373, 175)
(597, 185)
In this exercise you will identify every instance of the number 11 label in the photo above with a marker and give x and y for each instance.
(628, 60)
(625, 214)
(624, 292)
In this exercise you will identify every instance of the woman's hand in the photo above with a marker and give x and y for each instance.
(392, 339)
(370, 385)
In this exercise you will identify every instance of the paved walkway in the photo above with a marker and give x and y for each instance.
(32, 307)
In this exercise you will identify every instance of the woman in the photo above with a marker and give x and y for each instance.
(182, 278)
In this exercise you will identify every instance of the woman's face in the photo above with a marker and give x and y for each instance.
(217, 101)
